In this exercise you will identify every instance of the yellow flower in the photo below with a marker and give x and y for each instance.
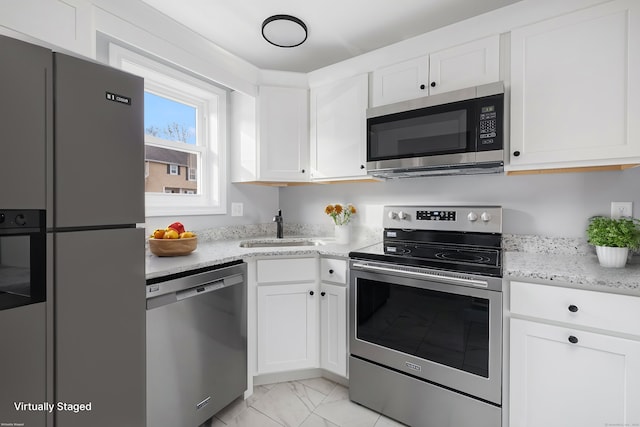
(329, 209)
(352, 209)
(338, 209)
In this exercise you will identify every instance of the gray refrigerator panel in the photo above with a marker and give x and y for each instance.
(100, 355)
(22, 364)
(99, 144)
(25, 123)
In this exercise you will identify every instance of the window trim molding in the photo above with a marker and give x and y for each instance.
(211, 120)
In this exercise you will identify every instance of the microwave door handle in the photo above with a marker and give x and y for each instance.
(458, 280)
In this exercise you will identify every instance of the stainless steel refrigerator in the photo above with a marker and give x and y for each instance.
(94, 186)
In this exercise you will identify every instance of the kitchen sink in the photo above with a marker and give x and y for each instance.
(278, 243)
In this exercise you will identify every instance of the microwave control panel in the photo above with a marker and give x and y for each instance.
(488, 122)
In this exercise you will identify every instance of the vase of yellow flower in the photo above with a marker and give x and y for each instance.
(341, 216)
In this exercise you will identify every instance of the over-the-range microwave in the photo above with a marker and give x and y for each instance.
(458, 132)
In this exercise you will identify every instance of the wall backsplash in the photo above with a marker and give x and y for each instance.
(555, 205)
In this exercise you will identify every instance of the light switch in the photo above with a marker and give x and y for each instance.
(236, 209)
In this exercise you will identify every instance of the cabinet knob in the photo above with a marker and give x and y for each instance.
(331, 271)
(361, 166)
(573, 340)
(311, 293)
(573, 308)
(516, 153)
(323, 293)
(302, 170)
(422, 87)
(433, 84)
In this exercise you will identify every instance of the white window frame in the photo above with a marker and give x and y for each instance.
(211, 103)
(173, 169)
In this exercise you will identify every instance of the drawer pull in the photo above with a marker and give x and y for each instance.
(323, 293)
(331, 271)
(573, 308)
(311, 293)
(573, 340)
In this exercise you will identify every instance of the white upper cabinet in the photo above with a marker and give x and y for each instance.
(270, 137)
(338, 129)
(462, 66)
(575, 89)
(399, 82)
(470, 64)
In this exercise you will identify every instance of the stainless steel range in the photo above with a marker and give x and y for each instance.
(426, 317)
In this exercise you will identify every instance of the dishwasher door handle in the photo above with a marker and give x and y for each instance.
(199, 290)
(205, 288)
(194, 291)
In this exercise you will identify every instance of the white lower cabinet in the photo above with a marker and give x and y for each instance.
(301, 320)
(287, 327)
(564, 374)
(333, 328)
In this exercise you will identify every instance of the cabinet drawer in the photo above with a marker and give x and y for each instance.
(333, 270)
(287, 270)
(579, 307)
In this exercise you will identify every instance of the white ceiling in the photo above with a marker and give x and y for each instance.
(338, 29)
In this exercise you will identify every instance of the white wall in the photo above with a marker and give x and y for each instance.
(550, 205)
(82, 26)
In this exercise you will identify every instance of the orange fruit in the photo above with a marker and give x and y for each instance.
(158, 234)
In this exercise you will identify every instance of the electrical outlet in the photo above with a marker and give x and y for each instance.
(236, 209)
(621, 209)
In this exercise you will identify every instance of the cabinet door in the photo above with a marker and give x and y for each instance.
(574, 83)
(283, 134)
(399, 82)
(287, 327)
(333, 328)
(338, 128)
(470, 64)
(556, 383)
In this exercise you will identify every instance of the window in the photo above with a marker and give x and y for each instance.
(185, 135)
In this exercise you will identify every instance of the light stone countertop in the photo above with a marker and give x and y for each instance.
(579, 271)
(219, 252)
(569, 265)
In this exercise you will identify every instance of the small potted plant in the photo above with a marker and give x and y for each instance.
(613, 237)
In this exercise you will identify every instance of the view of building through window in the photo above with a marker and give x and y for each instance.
(170, 170)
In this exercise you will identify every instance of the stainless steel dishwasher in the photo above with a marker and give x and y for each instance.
(196, 344)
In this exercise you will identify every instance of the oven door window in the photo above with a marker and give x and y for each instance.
(441, 327)
(430, 131)
(22, 270)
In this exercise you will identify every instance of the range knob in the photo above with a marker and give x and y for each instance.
(486, 217)
(473, 217)
(403, 215)
(392, 215)
(20, 219)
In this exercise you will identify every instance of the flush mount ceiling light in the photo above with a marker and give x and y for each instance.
(284, 31)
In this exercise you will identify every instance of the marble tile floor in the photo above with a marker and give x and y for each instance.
(315, 402)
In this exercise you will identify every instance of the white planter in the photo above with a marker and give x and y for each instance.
(612, 257)
(343, 234)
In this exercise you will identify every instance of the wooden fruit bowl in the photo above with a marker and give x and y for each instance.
(173, 247)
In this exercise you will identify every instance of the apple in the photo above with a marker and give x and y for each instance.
(177, 226)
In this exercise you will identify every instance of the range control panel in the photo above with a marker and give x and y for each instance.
(486, 219)
(435, 215)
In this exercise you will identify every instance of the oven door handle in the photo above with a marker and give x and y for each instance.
(457, 280)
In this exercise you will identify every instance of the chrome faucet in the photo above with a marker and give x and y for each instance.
(278, 220)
